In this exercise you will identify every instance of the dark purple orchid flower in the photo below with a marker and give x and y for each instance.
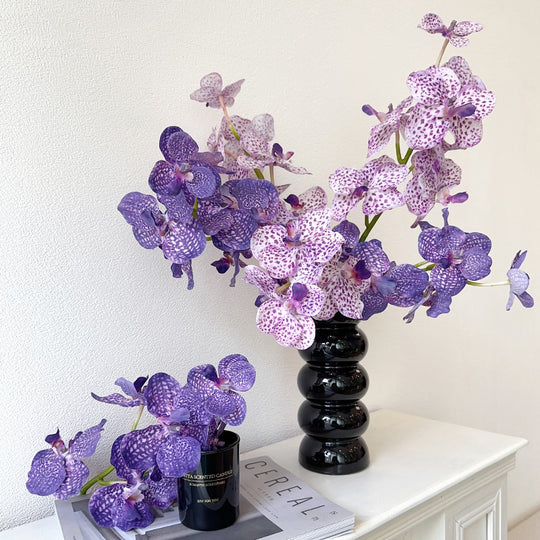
(59, 470)
(166, 444)
(185, 168)
(128, 505)
(400, 285)
(458, 257)
(218, 388)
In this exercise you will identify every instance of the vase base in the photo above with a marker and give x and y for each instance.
(343, 456)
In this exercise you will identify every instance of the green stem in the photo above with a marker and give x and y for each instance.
(495, 284)
(402, 160)
(96, 479)
(369, 227)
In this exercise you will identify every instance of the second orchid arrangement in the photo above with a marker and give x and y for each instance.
(148, 461)
(312, 261)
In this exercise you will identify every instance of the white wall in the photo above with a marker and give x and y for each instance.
(87, 87)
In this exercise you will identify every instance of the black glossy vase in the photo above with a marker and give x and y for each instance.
(209, 497)
(333, 382)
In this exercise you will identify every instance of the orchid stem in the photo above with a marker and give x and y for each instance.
(441, 54)
(228, 118)
(402, 160)
(98, 478)
(369, 226)
(495, 284)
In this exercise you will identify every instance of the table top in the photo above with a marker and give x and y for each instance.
(412, 460)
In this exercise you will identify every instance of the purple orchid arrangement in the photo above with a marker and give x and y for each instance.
(148, 461)
(313, 262)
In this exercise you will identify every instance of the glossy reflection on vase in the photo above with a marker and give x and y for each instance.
(333, 383)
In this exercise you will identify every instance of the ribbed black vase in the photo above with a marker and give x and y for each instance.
(333, 382)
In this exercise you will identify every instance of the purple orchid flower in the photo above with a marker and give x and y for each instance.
(129, 505)
(390, 123)
(167, 444)
(212, 90)
(444, 104)
(375, 184)
(456, 33)
(433, 177)
(519, 282)
(134, 391)
(180, 240)
(59, 470)
(286, 311)
(298, 249)
(185, 174)
(219, 388)
(400, 285)
(458, 257)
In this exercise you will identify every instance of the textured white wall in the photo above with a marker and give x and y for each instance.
(87, 87)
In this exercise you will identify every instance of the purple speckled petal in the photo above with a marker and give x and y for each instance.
(162, 493)
(178, 456)
(345, 180)
(425, 127)
(467, 132)
(76, 474)
(374, 302)
(372, 254)
(476, 264)
(138, 209)
(410, 285)
(178, 208)
(349, 231)
(447, 281)
(139, 447)
(378, 201)
(161, 392)
(220, 403)
(239, 372)
(231, 91)
(163, 180)
(483, 100)
(431, 23)
(177, 146)
(104, 504)
(205, 181)
(84, 443)
(342, 205)
(439, 304)
(118, 399)
(184, 241)
(238, 413)
(258, 277)
(237, 237)
(46, 473)
(118, 461)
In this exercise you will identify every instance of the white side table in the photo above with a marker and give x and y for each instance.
(428, 480)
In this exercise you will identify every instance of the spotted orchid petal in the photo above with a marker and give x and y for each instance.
(76, 474)
(184, 241)
(46, 473)
(178, 455)
(85, 442)
(238, 371)
(139, 447)
(161, 392)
